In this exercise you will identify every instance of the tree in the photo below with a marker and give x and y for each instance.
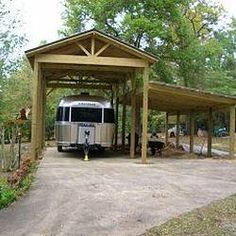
(179, 33)
(21, 83)
(10, 42)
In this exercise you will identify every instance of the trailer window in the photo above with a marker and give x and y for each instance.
(79, 114)
(63, 114)
(109, 115)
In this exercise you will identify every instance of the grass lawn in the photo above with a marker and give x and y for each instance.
(218, 218)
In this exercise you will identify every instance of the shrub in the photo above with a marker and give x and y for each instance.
(7, 193)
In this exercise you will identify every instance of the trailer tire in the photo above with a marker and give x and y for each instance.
(59, 149)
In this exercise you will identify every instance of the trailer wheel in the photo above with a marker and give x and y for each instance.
(59, 149)
(100, 148)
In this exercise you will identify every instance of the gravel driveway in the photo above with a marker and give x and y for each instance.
(113, 195)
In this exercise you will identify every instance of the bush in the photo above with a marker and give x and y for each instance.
(7, 193)
(17, 183)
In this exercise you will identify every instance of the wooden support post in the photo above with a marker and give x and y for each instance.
(166, 128)
(133, 120)
(232, 132)
(112, 95)
(145, 114)
(191, 133)
(93, 46)
(117, 116)
(44, 113)
(177, 129)
(35, 97)
(210, 130)
(123, 118)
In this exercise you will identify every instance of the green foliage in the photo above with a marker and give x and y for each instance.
(21, 83)
(25, 183)
(10, 43)
(7, 193)
(179, 33)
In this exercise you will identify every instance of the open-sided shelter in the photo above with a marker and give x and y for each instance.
(94, 60)
(91, 60)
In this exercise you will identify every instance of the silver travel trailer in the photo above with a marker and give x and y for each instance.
(84, 118)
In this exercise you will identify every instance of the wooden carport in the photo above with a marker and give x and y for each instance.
(177, 100)
(91, 60)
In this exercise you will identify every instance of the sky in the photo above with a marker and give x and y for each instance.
(43, 23)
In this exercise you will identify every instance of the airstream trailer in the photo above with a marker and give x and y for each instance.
(81, 115)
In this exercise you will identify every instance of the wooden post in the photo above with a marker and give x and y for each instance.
(112, 95)
(123, 118)
(133, 120)
(117, 116)
(44, 113)
(210, 130)
(40, 111)
(191, 133)
(232, 132)
(177, 129)
(35, 97)
(166, 128)
(145, 114)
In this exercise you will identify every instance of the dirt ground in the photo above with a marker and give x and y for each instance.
(114, 195)
(220, 143)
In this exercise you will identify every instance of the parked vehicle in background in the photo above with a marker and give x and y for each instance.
(220, 132)
(172, 131)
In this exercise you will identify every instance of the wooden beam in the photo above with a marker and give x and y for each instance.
(145, 114)
(91, 60)
(133, 120)
(102, 49)
(191, 133)
(77, 86)
(93, 45)
(34, 125)
(232, 132)
(108, 76)
(43, 113)
(210, 130)
(58, 67)
(117, 116)
(123, 119)
(177, 129)
(83, 49)
(166, 129)
(82, 81)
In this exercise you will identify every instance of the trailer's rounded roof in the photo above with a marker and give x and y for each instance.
(85, 101)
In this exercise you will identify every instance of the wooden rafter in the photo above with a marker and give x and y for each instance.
(83, 49)
(93, 45)
(102, 49)
(78, 86)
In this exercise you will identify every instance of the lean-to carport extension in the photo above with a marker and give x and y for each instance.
(177, 100)
(91, 60)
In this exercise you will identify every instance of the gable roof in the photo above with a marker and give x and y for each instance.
(91, 33)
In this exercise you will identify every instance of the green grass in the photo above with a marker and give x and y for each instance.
(8, 194)
(218, 218)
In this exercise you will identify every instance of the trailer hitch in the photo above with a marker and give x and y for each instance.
(86, 145)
